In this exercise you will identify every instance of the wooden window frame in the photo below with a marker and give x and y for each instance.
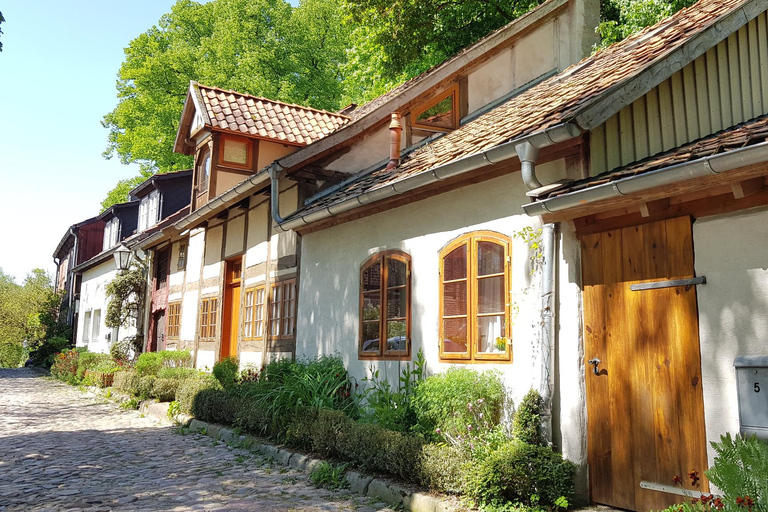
(181, 262)
(173, 326)
(281, 310)
(381, 258)
(248, 152)
(456, 117)
(254, 322)
(202, 186)
(473, 354)
(209, 309)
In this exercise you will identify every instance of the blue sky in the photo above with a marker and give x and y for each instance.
(58, 70)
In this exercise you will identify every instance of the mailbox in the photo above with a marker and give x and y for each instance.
(752, 385)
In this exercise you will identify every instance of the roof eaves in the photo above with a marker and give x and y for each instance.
(625, 92)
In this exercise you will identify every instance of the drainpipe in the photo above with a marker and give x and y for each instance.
(395, 131)
(528, 153)
(548, 312)
(274, 192)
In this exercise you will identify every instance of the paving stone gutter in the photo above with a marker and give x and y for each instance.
(387, 491)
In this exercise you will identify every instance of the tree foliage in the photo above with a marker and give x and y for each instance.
(411, 36)
(2, 20)
(125, 293)
(28, 314)
(622, 18)
(261, 47)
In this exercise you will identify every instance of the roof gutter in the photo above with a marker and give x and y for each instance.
(707, 166)
(547, 137)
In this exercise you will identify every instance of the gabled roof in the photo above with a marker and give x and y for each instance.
(152, 180)
(112, 210)
(243, 114)
(586, 93)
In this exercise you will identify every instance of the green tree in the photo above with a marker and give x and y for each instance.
(28, 314)
(261, 47)
(2, 20)
(622, 18)
(413, 35)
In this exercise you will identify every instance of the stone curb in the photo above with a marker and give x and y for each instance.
(359, 483)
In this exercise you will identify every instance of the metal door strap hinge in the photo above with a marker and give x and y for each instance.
(668, 284)
(669, 489)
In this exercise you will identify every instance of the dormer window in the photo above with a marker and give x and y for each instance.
(440, 113)
(111, 233)
(149, 210)
(203, 170)
(235, 151)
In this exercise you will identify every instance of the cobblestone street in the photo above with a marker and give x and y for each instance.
(61, 449)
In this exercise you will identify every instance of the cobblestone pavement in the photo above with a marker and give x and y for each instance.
(61, 449)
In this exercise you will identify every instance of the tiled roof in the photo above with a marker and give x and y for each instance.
(739, 136)
(554, 101)
(267, 119)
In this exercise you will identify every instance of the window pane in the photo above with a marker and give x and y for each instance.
(371, 306)
(370, 336)
(398, 272)
(490, 295)
(455, 335)
(397, 305)
(440, 116)
(455, 264)
(490, 328)
(455, 298)
(235, 151)
(490, 258)
(396, 335)
(372, 277)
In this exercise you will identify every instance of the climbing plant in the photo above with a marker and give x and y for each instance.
(125, 294)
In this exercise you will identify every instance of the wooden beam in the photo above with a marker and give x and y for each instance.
(742, 189)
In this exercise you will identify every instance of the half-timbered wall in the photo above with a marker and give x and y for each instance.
(722, 88)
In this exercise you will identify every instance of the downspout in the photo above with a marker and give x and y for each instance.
(528, 153)
(274, 193)
(71, 292)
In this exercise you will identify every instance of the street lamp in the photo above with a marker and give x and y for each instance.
(122, 257)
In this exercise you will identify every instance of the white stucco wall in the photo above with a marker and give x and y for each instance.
(329, 282)
(373, 148)
(733, 308)
(93, 298)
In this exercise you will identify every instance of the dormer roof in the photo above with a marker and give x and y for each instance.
(251, 116)
(150, 183)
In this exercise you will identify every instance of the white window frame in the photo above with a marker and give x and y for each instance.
(86, 326)
(111, 229)
(96, 329)
(149, 209)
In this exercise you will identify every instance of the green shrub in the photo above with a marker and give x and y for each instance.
(460, 397)
(178, 373)
(375, 448)
(146, 386)
(740, 470)
(389, 407)
(186, 392)
(45, 353)
(226, 372)
(127, 381)
(216, 406)
(521, 473)
(150, 363)
(90, 360)
(326, 431)
(329, 476)
(444, 468)
(164, 388)
(287, 388)
(65, 366)
(526, 426)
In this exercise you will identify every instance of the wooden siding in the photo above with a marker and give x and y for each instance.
(722, 88)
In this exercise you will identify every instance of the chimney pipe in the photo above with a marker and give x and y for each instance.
(395, 132)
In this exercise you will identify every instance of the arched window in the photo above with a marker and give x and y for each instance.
(385, 306)
(475, 298)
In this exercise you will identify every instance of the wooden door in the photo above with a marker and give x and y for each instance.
(645, 407)
(231, 313)
(160, 330)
